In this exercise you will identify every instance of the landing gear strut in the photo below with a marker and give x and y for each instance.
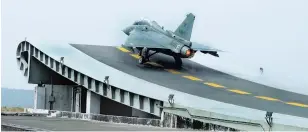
(144, 55)
(178, 61)
(142, 60)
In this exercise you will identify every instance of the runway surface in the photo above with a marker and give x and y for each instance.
(62, 124)
(200, 80)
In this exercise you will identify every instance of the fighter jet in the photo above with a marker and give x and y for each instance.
(145, 35)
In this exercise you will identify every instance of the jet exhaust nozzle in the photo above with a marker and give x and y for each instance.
(185, 51)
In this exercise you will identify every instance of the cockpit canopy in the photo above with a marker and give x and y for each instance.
(142, 22)
(147, 22)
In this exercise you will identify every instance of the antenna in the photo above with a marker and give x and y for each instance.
(261, 70)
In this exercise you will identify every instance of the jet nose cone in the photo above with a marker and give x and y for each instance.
(127, 30)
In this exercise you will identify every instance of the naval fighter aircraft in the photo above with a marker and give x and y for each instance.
(145, 35)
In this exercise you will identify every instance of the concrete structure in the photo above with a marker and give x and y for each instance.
(107, 80)
(34, 123)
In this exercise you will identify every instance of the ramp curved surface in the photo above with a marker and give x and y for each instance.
(201, 81)
(195, 86)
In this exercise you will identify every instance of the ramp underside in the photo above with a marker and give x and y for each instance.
(45, 75)
(201, 81)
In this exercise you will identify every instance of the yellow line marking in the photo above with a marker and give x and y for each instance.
(267, 98)
(297, 104)
(123, 49)
(173, 71)
(214, 85)
(154, 64)
(135, 56)
(192, 78)
(238, 91)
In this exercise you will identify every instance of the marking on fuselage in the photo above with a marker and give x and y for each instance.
(214, 85)
(297, 104)
(192, 78)
(238, 91)
(267, 98)
(173, 71)
(123, 49)
(135, 56)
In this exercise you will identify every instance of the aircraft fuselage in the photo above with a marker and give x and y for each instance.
(148, 36)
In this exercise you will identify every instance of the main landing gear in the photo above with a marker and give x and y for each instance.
(178, 62)
(145, 57)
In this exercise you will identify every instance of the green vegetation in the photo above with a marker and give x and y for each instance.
(12, 109)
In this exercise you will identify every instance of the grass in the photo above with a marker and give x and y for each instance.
(12, 109)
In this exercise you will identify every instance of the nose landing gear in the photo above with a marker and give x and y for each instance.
(145, 56)
(142, 60)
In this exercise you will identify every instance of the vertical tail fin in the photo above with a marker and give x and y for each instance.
(185, 29)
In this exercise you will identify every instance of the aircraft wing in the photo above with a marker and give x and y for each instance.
(205, 49)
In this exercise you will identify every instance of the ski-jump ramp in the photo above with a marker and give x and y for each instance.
(195, 87)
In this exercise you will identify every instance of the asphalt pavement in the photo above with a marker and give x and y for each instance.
(201, 81)
(65, 124)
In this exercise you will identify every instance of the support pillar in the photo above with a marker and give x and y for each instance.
(88, 109)
(93, 103)
(175, 121)
(78, 100)
(171, 124)
(162, 116)
(73, 99)
(40, 97)
(35, 98)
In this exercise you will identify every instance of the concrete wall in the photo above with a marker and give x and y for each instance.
(111, 107)
(141, 114)
(68, 98)
(63, 97)
(40, 73)
(39, 98)
(93, 103)
(62, 94)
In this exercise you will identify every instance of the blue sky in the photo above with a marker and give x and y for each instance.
(272, 34)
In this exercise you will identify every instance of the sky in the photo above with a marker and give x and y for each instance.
(254, 33)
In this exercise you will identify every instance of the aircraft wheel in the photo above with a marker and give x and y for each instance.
(141, 60)
(178, 62)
